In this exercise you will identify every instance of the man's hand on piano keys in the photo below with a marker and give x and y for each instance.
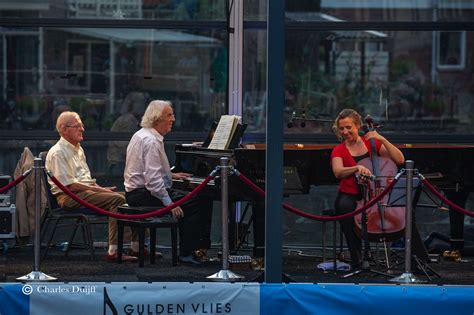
(181, 176)
(177, 212)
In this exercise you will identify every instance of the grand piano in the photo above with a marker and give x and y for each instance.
(309, 164)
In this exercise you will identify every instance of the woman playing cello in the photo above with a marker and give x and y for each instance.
(344, 158)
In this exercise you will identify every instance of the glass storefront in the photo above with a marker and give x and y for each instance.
(411, 80)
(104, 73)
(106, 59)
(400, 76)
(183, 10)
(381, 73)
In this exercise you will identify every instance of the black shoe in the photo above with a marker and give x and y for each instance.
(190, 259)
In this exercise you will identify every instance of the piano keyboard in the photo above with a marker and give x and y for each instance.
(194, 180)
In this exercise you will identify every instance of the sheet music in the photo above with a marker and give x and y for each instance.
(224, 131)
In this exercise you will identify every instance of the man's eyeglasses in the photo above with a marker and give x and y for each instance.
(76, 126)
(168, 116)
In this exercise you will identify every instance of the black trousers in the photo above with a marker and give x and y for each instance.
(346, 203)
(194, 227)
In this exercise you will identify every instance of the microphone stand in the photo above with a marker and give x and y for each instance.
(408, 277)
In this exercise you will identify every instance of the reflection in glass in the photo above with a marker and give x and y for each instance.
(388, 75)
(371, 10)
(117, 9)
(94, 71)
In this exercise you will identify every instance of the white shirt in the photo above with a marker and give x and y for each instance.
(147, 165)
(68, 164)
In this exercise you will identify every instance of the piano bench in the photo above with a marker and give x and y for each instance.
(152, 224)
(330, 212)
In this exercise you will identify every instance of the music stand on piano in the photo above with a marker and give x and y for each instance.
(210, 134)
(234, 141)
(237, 136)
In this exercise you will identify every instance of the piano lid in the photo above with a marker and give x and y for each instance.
(453, 161)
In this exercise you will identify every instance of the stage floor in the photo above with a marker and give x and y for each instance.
(299, 265)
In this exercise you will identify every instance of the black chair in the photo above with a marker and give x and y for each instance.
(70, 219)
(142, 224)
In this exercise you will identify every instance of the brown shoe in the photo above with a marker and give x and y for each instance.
(146, 254)
(201, 254)
(125, 258)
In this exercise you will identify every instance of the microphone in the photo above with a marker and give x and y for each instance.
(303, 118)
(290, 123)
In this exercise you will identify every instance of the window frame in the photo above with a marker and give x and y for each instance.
(462, 64)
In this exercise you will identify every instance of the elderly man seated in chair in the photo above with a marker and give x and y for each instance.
(67, 162)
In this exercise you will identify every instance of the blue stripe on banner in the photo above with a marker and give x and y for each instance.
(366, 299)
(14, 299)
(226, 298)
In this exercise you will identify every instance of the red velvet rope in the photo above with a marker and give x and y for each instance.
(369, 204)
(446, 201)
(18, 180)
(154, 213)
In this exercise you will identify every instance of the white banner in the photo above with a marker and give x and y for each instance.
(144, 298)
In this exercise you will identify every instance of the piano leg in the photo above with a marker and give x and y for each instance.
(232, 228)
(456, 219)
(258, 213)
(237, 227)
(205, 222)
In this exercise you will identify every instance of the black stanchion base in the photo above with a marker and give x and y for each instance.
(284, 278)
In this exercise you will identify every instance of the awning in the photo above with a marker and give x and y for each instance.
(24, 5)
(147, 35)
(321, 17)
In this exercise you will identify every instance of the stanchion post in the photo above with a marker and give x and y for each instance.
(225, 274)
(408, 277)
(225, 212)
(36, 274)
(409, 216)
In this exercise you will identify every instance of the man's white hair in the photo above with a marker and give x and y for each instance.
(153, 112)
(64, 118)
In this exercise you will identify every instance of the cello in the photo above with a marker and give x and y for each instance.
(383, 222)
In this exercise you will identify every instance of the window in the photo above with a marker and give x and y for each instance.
(451, 50)
(78, 65)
